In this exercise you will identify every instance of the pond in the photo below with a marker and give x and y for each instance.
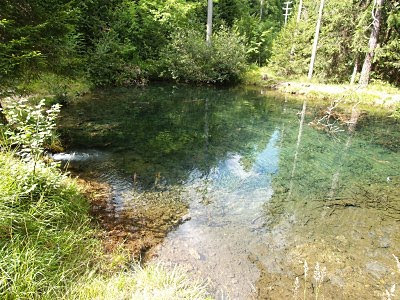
(242, 187)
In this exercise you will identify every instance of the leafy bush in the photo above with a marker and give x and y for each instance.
(188, 58)
(113, 63)
(30, 127)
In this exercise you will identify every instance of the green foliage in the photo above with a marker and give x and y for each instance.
(292, 49)
(30, 128)
(344, 37)
(120, 42)
(188, 58)
(112, 63)
(45, 239)
(387, 59)
(258, 37)
(35, 36)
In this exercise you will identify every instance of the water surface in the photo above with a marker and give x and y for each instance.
(267, 186)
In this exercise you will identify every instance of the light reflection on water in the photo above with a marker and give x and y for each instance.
(265, 190)
(226, 210)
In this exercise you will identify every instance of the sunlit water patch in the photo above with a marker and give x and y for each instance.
(268, 183)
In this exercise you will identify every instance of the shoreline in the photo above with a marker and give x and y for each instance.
(371, 97)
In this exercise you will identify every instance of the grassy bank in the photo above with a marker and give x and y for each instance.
(376, 94)
(46, 241)
(49, 249)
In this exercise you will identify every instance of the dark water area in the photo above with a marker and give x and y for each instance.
(268, 183)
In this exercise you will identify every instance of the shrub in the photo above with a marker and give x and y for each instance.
(30, 128)
(113, 63)
(188, 58)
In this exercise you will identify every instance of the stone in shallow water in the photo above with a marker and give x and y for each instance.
(384, 242)
(377, 269)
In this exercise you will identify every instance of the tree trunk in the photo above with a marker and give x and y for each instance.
(315, 45)
(373, 42)
(3, 119)
(261, 9)
(355, 71)
(209, 21)
(299, 11)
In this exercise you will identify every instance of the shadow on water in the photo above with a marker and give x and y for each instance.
(255, 188)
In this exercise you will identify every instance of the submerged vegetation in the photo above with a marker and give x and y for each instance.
(159, 152)
(48, 241)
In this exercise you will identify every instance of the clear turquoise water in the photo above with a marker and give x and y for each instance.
(266, 189)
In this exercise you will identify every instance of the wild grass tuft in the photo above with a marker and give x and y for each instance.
(45, 239)
(154, 281)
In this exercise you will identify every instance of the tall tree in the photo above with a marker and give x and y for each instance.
(373, 41)
(300, 8)
(3, 119)
(261, 9)
(315, 44)
(209, 21)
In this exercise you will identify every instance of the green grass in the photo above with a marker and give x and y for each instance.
(49, 250)
(45, 237)
(54, 88)
(151, 282)
(377, 95)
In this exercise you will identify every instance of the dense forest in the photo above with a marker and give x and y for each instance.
(122, 42)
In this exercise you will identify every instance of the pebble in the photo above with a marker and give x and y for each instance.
(376, 268)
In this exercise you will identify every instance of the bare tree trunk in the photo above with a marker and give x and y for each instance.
(261, 9)
(315, 45)
(3, 119)
(299, 11)
(209, 21)
(355, 70)
(373, 42)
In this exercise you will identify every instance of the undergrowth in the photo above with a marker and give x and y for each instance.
(46, 242)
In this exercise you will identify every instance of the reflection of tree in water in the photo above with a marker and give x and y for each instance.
(296, 154)
(355, 113)
(336, 205)
(318, 171)
(170, 130)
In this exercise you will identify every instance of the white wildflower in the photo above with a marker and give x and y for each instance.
(296, 288)
(305, 269)
(397, 261)
(317, 273)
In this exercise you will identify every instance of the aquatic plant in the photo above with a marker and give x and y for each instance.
(389, 294)
(319, 275)
(296, 288)
(305, 278)
(397, 262)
